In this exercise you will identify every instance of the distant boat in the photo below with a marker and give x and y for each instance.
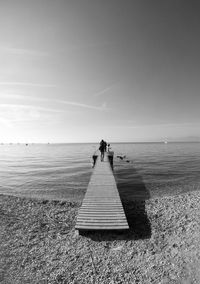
(165, 142)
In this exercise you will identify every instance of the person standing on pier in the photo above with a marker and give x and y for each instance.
(105, 146)
(102, 148)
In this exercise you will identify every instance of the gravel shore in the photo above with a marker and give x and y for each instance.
(38, 243)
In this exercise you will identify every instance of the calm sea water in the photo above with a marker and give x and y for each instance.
(62, 171)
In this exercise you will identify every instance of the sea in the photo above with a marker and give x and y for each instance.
(62, 171)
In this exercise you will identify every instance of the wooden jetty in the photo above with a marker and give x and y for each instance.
(102, 208)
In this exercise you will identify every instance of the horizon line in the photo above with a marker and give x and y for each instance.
(112, 142)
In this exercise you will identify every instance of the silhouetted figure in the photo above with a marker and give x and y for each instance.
(102, 148)
(105, 146)
(108, 147)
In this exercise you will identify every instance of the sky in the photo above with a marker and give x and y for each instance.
(86, 70)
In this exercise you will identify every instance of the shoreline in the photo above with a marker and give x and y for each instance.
(38, 243)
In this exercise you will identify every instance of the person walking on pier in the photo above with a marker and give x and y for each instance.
(102, 148)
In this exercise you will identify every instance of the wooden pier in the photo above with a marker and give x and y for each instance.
(102, 208)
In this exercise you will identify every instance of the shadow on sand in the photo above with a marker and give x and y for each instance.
(133, 196)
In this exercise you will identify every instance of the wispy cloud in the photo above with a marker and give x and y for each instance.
(103, 107)
(28, 107)
(105, 90)
(23, 51)
(27, 84)
(19, 113)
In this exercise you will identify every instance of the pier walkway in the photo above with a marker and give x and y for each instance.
(102, 208)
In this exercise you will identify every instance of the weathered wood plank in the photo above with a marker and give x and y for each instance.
(102, 209)
(101, 217)
(87, 227)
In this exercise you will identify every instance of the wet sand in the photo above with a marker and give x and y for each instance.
(38, 243)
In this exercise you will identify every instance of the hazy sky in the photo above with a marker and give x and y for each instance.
(79, 71)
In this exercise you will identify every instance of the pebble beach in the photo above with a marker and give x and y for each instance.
(39, 244)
